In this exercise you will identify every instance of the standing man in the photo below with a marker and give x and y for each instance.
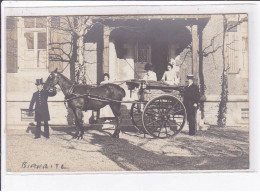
(40, 99)
(191, 102)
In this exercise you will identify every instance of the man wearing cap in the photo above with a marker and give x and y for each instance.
(191, 102)
(40, 99)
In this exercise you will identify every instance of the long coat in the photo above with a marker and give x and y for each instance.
(191, 96)
(40, 99)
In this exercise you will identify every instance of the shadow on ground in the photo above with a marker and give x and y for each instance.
(214, 149)
(205, 155)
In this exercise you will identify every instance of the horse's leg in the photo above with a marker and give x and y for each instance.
(116, 111)
(76, 123)
(79, 124)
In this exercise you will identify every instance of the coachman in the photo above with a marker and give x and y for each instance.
(40, 99)
(191, 102)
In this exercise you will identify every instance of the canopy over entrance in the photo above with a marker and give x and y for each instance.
(156, 38)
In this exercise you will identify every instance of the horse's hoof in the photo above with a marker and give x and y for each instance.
(115, 136)
(80, 137)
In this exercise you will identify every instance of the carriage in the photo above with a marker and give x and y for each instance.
(158, 110)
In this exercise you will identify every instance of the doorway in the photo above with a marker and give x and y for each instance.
(160, 57)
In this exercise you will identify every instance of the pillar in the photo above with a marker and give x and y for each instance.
(195, 48)
(106, 34)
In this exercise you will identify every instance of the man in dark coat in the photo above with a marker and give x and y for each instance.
(191, 102)
(40, 99)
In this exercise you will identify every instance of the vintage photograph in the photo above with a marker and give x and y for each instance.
(106, 93)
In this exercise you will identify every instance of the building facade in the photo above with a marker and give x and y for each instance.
(203, 45)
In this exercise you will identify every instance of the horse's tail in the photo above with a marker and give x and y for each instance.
(117, 90)
(123, 91)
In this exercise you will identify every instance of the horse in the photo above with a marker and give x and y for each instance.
(78, 99)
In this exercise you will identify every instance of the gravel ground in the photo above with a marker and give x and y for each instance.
(214, 149)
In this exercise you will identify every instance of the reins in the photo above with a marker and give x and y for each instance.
(100, 98)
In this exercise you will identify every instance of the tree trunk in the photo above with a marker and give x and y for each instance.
(224, 85)
(73, 59)
(81, 69)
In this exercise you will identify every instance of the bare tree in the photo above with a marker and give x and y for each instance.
(224, 78)
(69, 47)
(210, 50)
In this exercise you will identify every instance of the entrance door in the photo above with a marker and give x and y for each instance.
(142, 56)
(160, 58)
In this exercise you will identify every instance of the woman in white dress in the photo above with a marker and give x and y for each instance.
(150, 75)
(106, 112)
(170, 76)
(106, 79)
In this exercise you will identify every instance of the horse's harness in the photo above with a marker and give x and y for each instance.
(72, 96)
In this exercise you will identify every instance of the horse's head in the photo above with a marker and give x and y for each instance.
(52, 80)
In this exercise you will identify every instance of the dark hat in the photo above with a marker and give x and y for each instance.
(148, 66)
(39, 82)
(169, 64)
(106, 74)
(190, 77)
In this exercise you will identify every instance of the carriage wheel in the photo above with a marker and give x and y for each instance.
(164, 116)
(136, 116)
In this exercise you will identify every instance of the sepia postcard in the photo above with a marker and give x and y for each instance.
(126, 92)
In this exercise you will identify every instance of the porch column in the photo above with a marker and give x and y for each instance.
(195, 48)
(106, 35)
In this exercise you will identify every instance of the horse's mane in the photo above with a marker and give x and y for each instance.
(64, 77)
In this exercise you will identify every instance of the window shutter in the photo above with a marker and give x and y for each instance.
(11, 45)
(232, 53)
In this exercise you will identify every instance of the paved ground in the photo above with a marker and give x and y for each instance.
(214, 149)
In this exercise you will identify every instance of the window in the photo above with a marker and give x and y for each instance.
(11, 45)
(29, 36)
(41, 22)
(142, 56)
(35, 40)
(42, 40)
(232, 51)
(143, 53)
(10, 23)
(245, 43)
(55, 21)
(35, 22)
(29, 22)
(244, 113)
(232, 26)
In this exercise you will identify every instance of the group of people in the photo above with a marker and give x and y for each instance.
(190, 98)
(170, 76)
(191, 94)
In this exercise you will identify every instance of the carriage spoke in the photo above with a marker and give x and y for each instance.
(177, 111)
(164, 116)
(172, 107)
(159, 132)
(153, 122)
(154, 114)
(172, 127)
